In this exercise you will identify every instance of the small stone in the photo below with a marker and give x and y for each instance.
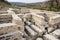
(39, 39)
(56, 33)
(50, 37)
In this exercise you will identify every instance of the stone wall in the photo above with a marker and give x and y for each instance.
(39, 20)
(7, 28)
(18, 21)
(5, 18)
(3, 12)
(11, 36)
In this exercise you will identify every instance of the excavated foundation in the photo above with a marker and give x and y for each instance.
(29, 24)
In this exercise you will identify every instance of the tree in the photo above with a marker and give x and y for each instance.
(57, 3)
(4, 1)
(52, 4)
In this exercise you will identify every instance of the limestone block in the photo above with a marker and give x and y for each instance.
(56, 33)
(51, 14)
(5, 18)
(42, 28)
(35, 28)
(54, 20)
(41, 13)
(17, 11)
(23, 39)
(10, 11)
(28, 23)
(39, 20)
(30, 31)
(27, 17)
(11, 36)
(50, 29)
(8, 27)
(26, 36)
(18, 21)
(3, 12)
(49, 37)
(39, 39)
(20, 15)
(25, 10)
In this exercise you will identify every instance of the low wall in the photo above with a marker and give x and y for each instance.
(7, 28)
(5, 18)
(11, 36)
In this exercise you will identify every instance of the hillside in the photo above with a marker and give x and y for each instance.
(44, 6)
(16, 3)
(4, 3)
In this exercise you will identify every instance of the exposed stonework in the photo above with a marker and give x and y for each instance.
(11, 36)
(29, 24)
(49, 37)
(5, 18)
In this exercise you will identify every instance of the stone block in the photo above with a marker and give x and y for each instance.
(5, 18)
(18, 21)
(35, 28)
(39, 20)
(50, 37)
(8, 27)
(54, 20)
(11, 36)
(39, 39)
(30, 31)
(56, 33)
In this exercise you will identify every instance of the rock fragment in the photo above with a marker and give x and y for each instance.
(50, 37)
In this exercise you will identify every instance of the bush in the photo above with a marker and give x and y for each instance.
(54, 9)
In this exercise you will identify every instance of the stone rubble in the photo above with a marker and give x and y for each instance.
(39, 39)
(49, 37)
(56, 33)
(29, 24)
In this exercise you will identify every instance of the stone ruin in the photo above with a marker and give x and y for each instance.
(29, 24)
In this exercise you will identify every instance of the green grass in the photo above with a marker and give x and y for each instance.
(53, 9)
(48, 9)
(34, 7)
(38, 7)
